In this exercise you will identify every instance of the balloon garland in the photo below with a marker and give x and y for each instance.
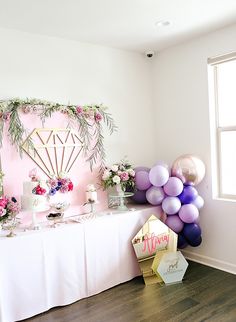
(175, 192)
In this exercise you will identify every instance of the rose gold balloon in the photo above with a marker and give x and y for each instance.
(188, 168)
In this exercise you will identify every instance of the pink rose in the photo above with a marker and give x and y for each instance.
(124, 176)
(79, 109)
(98, 117)
(3, 202)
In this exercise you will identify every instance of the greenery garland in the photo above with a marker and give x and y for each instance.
(87, 119)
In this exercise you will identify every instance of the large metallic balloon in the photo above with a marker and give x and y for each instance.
(188, 168)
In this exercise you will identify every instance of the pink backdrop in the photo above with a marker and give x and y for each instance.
(17, 169)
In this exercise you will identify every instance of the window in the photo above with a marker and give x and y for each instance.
(222, 90)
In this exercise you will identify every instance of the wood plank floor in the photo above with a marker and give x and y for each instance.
(206, 294)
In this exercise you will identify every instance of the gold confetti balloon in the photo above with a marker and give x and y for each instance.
(188, 168)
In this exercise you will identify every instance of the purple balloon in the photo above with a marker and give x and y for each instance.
(155, 195)
(173, 187)
(174, 223)
(191, 231)
(171, 205)
(158, 176)
(182, 242)
(188, 195)
(196, 242)
(142, 181)
(141, 169)
(188, 213)
(198, 202)
(139, 197)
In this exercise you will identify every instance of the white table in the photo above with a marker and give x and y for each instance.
(53, 267)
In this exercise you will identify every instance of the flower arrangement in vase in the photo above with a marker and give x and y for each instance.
(9, 209)
(121, 175)
(63, 184)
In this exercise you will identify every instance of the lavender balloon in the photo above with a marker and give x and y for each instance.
(141, 168)
(171, 205)
(142, 181)
(198, 202)
(173, 187)
(188, 195)
(163, 164)
(188, 213)
(139, 197)
(158, 176)
(174, 223)
(155, 195)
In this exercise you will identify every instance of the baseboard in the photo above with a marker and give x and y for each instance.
(209, 261)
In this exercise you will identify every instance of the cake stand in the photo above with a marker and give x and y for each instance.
(121, 199)
(34, 222)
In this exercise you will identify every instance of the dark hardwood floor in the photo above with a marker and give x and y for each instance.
(206, 294)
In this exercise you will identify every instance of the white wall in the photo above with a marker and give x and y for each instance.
(59, 70)
(67, 71)
(180, 85)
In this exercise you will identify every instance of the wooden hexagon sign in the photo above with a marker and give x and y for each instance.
(172, 267)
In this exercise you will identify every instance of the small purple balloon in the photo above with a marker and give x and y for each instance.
(171, 205)
(188, 195)
(173, 187)
(142, 181)
(174, 223)
(139, 197)
(182, 242)
(188, 213)
(158, 175)
(198, 202)
(191, 231)
(155, 195)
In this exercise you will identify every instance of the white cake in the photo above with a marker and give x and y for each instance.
(30, 201)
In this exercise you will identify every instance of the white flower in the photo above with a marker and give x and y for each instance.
(116, 179)
(131, 172)
(114, 168)
(106, 175)
(62, 175)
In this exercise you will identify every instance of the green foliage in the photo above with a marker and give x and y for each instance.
(88, 121)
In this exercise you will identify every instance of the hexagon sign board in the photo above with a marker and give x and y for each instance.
(153, 237)
(172, 267)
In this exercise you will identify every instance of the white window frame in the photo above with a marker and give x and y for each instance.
(216, 129)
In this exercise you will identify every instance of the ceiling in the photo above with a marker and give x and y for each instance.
(125, 24)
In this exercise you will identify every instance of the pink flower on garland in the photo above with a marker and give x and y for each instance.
(6, 116)
(124, 176)
(98, 117)
(79, 110)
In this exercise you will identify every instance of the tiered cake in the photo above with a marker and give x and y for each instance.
(32, 201)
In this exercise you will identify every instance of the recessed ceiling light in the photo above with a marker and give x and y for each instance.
(162, 23)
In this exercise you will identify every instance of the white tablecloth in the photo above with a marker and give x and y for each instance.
(53, 267)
